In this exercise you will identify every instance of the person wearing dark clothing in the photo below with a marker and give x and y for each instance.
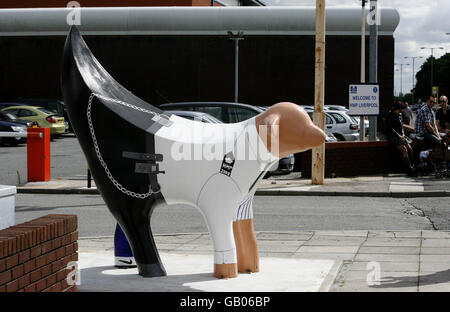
(443, 115)
(397, 138)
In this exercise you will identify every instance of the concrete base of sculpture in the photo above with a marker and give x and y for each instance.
(7, 206)
(192, 272)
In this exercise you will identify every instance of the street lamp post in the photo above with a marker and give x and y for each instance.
(413, 73)
(432, 61)
(236, 37)
(401, 77)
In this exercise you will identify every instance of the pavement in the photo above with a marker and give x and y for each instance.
(317, 261)
(300, 261)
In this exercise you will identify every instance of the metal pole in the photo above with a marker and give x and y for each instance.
(432, 57)
(373, 63)
(362, 128)
(88, 177)
(236, 37)
(236, 70)
(413, 75)
(363, 42)
(401, 80)
(432, 64)
(318, 153)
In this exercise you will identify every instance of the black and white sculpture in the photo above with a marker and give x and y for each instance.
(141, 157)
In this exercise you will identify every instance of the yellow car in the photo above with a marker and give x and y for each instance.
(43, 117)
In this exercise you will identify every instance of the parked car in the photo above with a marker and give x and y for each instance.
(55, 106)
(7, 126)
(4, 105)
(231, 113)
(341, 125)
(345, 109)
(224, 111)
(330, 137)
(336, 107)
(43, 117)
(5, 116)
(197, 116)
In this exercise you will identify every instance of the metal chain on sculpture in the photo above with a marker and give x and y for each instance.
(97, 149)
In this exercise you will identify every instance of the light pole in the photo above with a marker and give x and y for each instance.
(363, 41)
(432, 61)
(236, 37)
(401, 77)
(413, 74)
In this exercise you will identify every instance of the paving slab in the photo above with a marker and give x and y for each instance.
(434, 242)
(304, 236)
(381, 242)
(426, 267)
(341, 233)
(278, 248)
(320, 241)
(387, 258)
(435, 287)
(435, 251)
(328, 249)
(434, 258)
(399, 250)
(436, 234)
(330, 256)
(362, 286)
(191, 273)
(366, 266)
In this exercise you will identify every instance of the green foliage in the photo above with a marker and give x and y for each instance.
(441, 77)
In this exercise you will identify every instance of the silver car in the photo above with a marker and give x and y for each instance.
(340, 124)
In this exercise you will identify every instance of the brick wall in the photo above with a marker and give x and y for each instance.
(34, 255)
(347, 159)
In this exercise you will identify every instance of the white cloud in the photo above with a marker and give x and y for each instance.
(422, 23)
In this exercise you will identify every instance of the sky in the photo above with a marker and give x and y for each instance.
(423, 23)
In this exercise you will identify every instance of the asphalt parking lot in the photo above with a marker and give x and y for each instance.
(67, 161)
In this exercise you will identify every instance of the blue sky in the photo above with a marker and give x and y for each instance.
(422, 23)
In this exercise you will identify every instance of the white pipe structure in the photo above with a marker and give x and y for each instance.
(19, 135)
(188, 21)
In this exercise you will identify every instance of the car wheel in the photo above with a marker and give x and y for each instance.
(339, 137)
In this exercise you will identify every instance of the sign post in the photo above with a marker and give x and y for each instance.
(364, 100)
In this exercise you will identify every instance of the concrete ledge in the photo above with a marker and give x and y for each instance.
(7, 206)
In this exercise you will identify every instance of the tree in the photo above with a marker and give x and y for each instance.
(441, 77)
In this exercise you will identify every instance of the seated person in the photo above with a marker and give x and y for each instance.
(443, 115)
(407, 118)
(426, 123)
(396, 136)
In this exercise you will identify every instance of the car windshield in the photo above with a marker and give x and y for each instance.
(45, 111)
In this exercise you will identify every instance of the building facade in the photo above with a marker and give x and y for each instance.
(185, 54)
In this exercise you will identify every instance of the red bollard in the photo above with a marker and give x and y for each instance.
(38, 154)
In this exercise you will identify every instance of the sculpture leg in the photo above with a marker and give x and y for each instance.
(135, 222)
(225, 260)
(246, 246)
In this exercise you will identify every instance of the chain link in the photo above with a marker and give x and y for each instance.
(97, 149)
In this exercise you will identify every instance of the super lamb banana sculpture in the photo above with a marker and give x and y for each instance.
(141, 157)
